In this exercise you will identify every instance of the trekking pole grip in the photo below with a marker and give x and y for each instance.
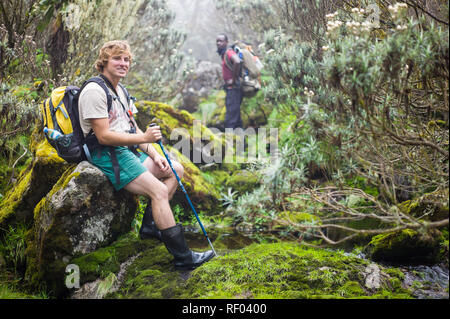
(151, 125)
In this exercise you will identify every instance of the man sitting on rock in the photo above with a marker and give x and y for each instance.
(116, 138)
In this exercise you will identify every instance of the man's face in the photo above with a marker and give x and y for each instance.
(117, 66)
(221, 43)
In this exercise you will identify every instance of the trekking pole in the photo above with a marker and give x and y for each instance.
(184, 191)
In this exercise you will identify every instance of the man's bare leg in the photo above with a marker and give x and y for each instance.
(167, 177)
(148, 185)
(171, 234)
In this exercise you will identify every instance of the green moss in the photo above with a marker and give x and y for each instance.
(434, 204)
(13, 198)
(219, 177)
(167, 117)
(281, 270)
(443, 244)
(351, 289)
(363, 184)
(106, 260)
(151, 276)
(243, 181)
(406, 245)
(32, 186)
(299, 217)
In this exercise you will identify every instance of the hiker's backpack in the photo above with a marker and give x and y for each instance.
(250, 77)
(60, 113)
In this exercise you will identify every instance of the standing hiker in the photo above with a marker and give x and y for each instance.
(230, 73)
(113, 138)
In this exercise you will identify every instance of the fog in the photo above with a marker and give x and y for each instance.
(201, 22)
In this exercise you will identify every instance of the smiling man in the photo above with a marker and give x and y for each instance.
(124, 153)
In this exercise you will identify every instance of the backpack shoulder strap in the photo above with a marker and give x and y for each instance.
(227, 59)
(100, 82)
(127, 95)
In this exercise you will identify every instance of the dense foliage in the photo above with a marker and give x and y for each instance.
(360, 92)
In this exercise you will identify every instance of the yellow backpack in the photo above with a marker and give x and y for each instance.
(60, 117)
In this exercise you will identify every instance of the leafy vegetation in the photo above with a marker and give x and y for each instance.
(360, 92)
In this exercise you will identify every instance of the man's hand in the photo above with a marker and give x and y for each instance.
(161, 162)
(153, 134)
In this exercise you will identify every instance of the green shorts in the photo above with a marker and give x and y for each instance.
(130, 165)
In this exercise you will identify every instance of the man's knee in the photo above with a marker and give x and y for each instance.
(179, 169)
(159, 192)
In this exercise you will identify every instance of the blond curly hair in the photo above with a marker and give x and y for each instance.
(109, 49)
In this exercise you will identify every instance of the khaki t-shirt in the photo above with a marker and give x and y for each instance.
(92, 105)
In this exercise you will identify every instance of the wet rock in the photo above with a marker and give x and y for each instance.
(427, 282)
(373, 280)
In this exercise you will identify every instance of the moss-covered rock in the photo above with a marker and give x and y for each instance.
(151, 276)
(106, 260)
(277, 270)
(178, 130)
(431, 206)
(81, 213)
(32, 185)
(405, 246)
(243, 181)
(202, 193)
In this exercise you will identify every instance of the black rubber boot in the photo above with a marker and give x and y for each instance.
(148, 227)
(185, 258)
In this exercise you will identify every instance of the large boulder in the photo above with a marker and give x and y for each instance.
(406, 246)
(416, 246)
(276, 270)
(80, 214)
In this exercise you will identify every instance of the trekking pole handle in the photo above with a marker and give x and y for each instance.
(151, 125)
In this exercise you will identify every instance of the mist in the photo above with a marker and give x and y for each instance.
(201, 22)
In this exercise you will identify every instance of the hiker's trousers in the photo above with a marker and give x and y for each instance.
(233, 102)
